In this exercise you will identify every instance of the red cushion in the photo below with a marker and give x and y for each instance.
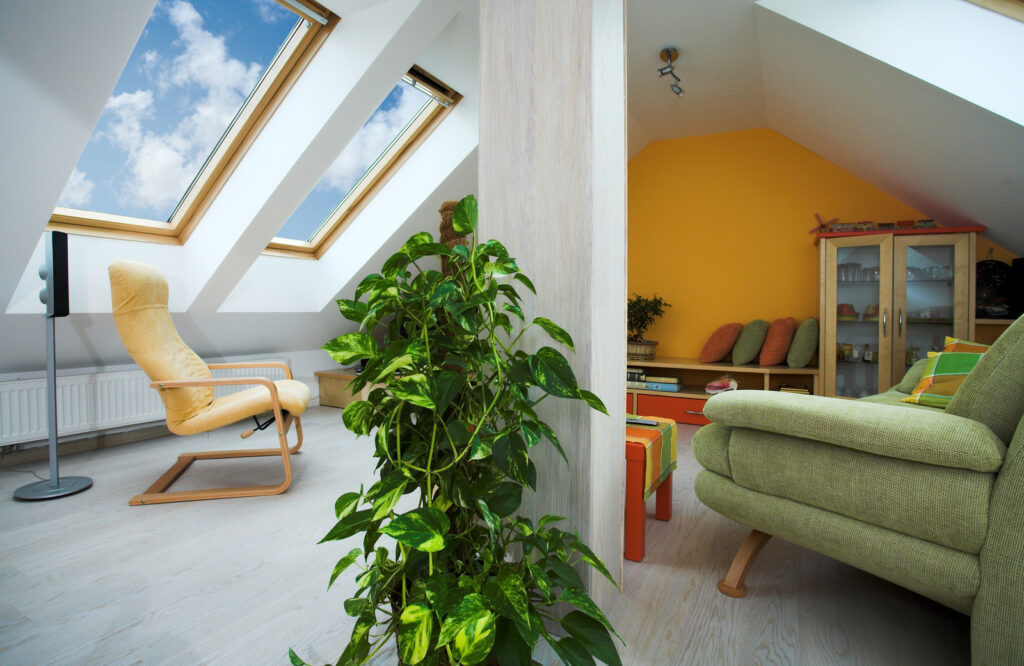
(776, 343)
(720, 343)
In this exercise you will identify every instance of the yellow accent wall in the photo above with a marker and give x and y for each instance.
(718, 226)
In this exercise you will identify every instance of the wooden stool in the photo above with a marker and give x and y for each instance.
(636, 508)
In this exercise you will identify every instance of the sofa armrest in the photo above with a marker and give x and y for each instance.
(927, 436)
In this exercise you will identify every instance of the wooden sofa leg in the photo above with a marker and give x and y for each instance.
(732, 585)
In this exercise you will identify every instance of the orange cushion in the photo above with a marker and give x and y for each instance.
(958, 345)
(776, 343)
(720, 343)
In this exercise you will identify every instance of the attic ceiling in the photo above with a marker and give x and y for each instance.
(921, 98)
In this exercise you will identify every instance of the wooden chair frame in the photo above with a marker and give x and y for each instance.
(158, 494)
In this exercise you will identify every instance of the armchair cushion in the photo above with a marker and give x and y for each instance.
(927, 436)
(234, 407)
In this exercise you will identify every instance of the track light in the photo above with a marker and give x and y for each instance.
(668, 55)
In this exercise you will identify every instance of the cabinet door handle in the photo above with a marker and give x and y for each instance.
(899, 320)
(690, 411)
(885, 322)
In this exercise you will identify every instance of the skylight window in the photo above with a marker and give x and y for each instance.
(407, 114)
(194, 90)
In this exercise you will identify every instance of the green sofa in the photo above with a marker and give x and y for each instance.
(930, 499)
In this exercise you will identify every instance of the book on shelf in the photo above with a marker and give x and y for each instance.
(653, 386)
(635, 374)
(794, 388)
(662, 380)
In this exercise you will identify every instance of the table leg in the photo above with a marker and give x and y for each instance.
(663, 507)
(635, 509)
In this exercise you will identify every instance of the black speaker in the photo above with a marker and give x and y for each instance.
(1017, 288)
(55, 272)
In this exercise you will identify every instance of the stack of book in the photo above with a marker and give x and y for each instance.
(794, 388)
(648, 383)
(635, 374)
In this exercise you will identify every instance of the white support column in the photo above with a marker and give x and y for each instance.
(553, 188)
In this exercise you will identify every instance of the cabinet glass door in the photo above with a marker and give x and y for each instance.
(857, 328)
(931, 293)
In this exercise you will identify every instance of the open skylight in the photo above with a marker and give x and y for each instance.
(195, 87)
(406, 114)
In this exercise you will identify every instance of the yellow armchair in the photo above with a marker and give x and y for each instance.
(139, 299)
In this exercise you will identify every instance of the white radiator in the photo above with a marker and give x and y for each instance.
(92, 403)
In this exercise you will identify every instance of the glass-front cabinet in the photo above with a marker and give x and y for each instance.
(886, 302)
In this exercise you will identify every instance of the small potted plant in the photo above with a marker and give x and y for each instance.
(458, 578)
(640, 314)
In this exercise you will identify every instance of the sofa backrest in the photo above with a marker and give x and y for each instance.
(993, 393)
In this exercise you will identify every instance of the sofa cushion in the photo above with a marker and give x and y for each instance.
(711, 448)
(948, 576)
(930, 436)
(777, 341)
(993, 393)
(957, 345)
(942, 376)
(720, 343)
(912, 377)
(749, 343)
(943, 505)
(805, 343)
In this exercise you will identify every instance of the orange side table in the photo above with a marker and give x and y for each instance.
(636, 509)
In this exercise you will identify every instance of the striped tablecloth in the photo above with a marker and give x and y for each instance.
(661, 451)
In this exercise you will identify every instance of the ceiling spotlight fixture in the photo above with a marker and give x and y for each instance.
(668, 56)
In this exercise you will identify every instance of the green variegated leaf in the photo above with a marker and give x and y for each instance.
(505, 499)
(480, 447)
(391, 488)
(550, 434)
(593, 636)
(346, 504)
(440, 589)
(357, 606)
(565, 575)
(418, 238)
(446, 293)
(395, 264)
(344, 563)
(445, 386)
(593, 560)
(548, 519)
(540, 579)
(580, 600)
(514, 309)
(294, 659)
(422, 528)
(352, 310)
(556, 332)
(525, 280)
(593, 401)
(351, 347)
(493, 522)
(509, 646)
(510, 456)
(367, 283)
(358, 417)
(514, 591)
(552, 373)
(414, 628)
(465, 217)
(414, 389)
(349, 525)
(470, 608)
(572, 652)
(470, 629)
(461, 251)
(531, 433)
(398, 363)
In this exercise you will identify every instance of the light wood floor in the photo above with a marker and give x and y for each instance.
(89, 580)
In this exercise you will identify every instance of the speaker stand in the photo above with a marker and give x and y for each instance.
(55, 486)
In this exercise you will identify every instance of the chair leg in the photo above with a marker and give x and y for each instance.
(732, 585)
(157, 493)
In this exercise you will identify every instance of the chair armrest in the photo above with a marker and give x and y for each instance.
(233, 381)
(932, 437)
(255, 364)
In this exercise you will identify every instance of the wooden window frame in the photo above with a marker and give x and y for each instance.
(1012, 8)
(296, 53)
(371, 182)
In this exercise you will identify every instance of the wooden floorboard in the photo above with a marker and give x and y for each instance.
(89, 580)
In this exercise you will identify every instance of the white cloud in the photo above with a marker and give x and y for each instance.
(77, 192)
(371, 140)
(270, 11)
(159, 166)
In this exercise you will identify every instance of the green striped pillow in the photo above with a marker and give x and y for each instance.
(942, 376)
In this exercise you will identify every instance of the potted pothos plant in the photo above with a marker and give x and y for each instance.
(461, 579)
(640, 314)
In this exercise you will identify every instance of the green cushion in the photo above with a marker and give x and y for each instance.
(748, 345)
(805, 343)
(895, 398)
(942, 376)
(711, 448)
(942, 505)
(913, 376)
(925, 435)
(946, 575)
(993, 393)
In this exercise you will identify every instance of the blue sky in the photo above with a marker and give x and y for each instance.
(193, 67)
(190, 72)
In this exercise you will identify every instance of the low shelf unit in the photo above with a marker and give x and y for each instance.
(687, 404)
